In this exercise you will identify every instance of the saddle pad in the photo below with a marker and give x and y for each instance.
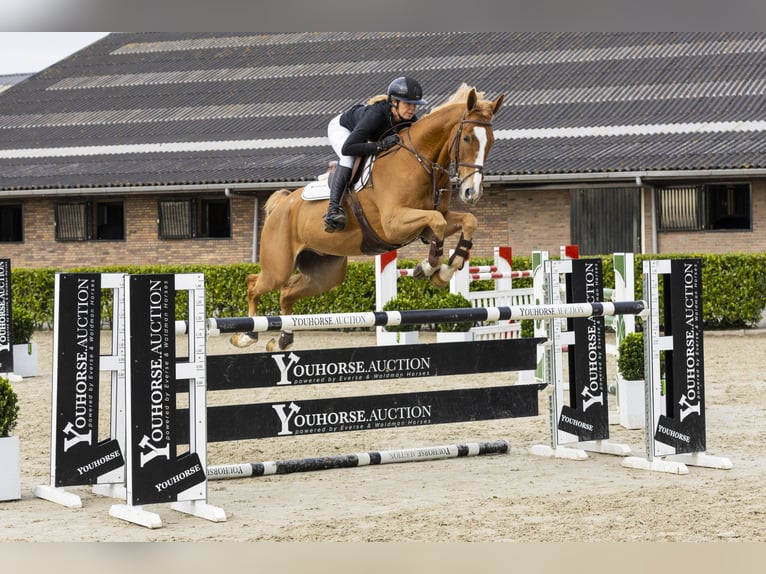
(319, 190)
(316, 190)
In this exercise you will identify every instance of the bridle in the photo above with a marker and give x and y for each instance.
(436, 171)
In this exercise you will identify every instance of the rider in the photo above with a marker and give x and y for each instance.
(360, 131)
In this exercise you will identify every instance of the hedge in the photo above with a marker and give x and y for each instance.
(734, 288)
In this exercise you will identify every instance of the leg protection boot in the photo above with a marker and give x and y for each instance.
(335, 219)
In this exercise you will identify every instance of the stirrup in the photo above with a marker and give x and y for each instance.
(335, 220)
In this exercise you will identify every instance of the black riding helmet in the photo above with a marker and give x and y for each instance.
(407, 90)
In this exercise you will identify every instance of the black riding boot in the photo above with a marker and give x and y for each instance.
(335, 219)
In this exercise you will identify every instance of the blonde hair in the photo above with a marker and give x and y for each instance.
(376, 99)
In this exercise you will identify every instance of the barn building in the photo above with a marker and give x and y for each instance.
(163, 147)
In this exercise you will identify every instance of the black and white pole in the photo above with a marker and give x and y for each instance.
(371, 458)
(328, 321)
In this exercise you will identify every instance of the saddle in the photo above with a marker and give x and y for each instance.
(372, 243)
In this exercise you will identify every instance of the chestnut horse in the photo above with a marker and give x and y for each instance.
(407, 197)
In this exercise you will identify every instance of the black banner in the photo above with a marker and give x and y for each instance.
(80, 458)
(587, 415)
(6, 337)
(684, 425)
(302, 417)
(244, 371)
(158, 474)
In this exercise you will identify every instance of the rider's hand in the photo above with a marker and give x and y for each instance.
(387, 142)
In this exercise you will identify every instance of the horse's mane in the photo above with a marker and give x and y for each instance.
(484, 107)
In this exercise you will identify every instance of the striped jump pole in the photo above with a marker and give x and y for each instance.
(416, 454)
(482, 273)
(328, 321)
(494, 274)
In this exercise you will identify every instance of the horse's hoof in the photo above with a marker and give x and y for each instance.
(443, 277)
(423, 270)
(243, 340)
(437, 282)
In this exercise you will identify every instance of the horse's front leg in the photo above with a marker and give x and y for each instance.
(403, 225)
(467, 224)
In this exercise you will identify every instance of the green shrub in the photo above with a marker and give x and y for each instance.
(630, 357)
(402, 303)
(733, 297)
(22, 325)
(9, 408)
(451, 301)
(427, 299)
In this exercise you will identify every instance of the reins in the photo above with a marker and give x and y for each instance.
(372, 243)
(451, 171)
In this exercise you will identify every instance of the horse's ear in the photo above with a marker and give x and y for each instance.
(496, 103)
(472, 99)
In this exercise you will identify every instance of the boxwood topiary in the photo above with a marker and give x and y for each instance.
(22, 325)
(9, 408)
(630, 357)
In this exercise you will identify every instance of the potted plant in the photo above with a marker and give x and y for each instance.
(10, 475)
(24, 349)
(630, 381)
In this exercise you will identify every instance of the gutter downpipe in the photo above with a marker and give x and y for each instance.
(255, 229)
(655, 236)
(254, 255)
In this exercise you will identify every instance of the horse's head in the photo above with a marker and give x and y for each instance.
(472, 142)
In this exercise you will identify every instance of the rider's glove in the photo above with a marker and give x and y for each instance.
(387, 142)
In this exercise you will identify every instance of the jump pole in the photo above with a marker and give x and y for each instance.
(415, 454)
(329, 321)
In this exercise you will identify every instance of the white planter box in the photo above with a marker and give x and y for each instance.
(10, 472)
(631, 400)
(25, 359)
(398, 337)
(452, 337)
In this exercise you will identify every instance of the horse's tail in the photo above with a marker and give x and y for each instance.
(274, 199)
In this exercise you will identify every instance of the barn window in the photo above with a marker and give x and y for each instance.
(192, 218)
(11, 226)
(90, 220)
(707, 206)
(175, 219)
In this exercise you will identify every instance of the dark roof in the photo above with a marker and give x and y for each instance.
(155, 109)
(7, 80)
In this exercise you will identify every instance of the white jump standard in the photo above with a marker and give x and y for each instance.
(675, 403)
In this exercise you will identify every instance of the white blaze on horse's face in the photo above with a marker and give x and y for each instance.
(471, 186)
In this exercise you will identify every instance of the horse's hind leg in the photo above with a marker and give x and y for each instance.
(243, 340)
(269, 279)
(318, 273)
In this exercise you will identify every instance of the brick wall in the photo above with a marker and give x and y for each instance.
(527, 220)
(141, 245)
